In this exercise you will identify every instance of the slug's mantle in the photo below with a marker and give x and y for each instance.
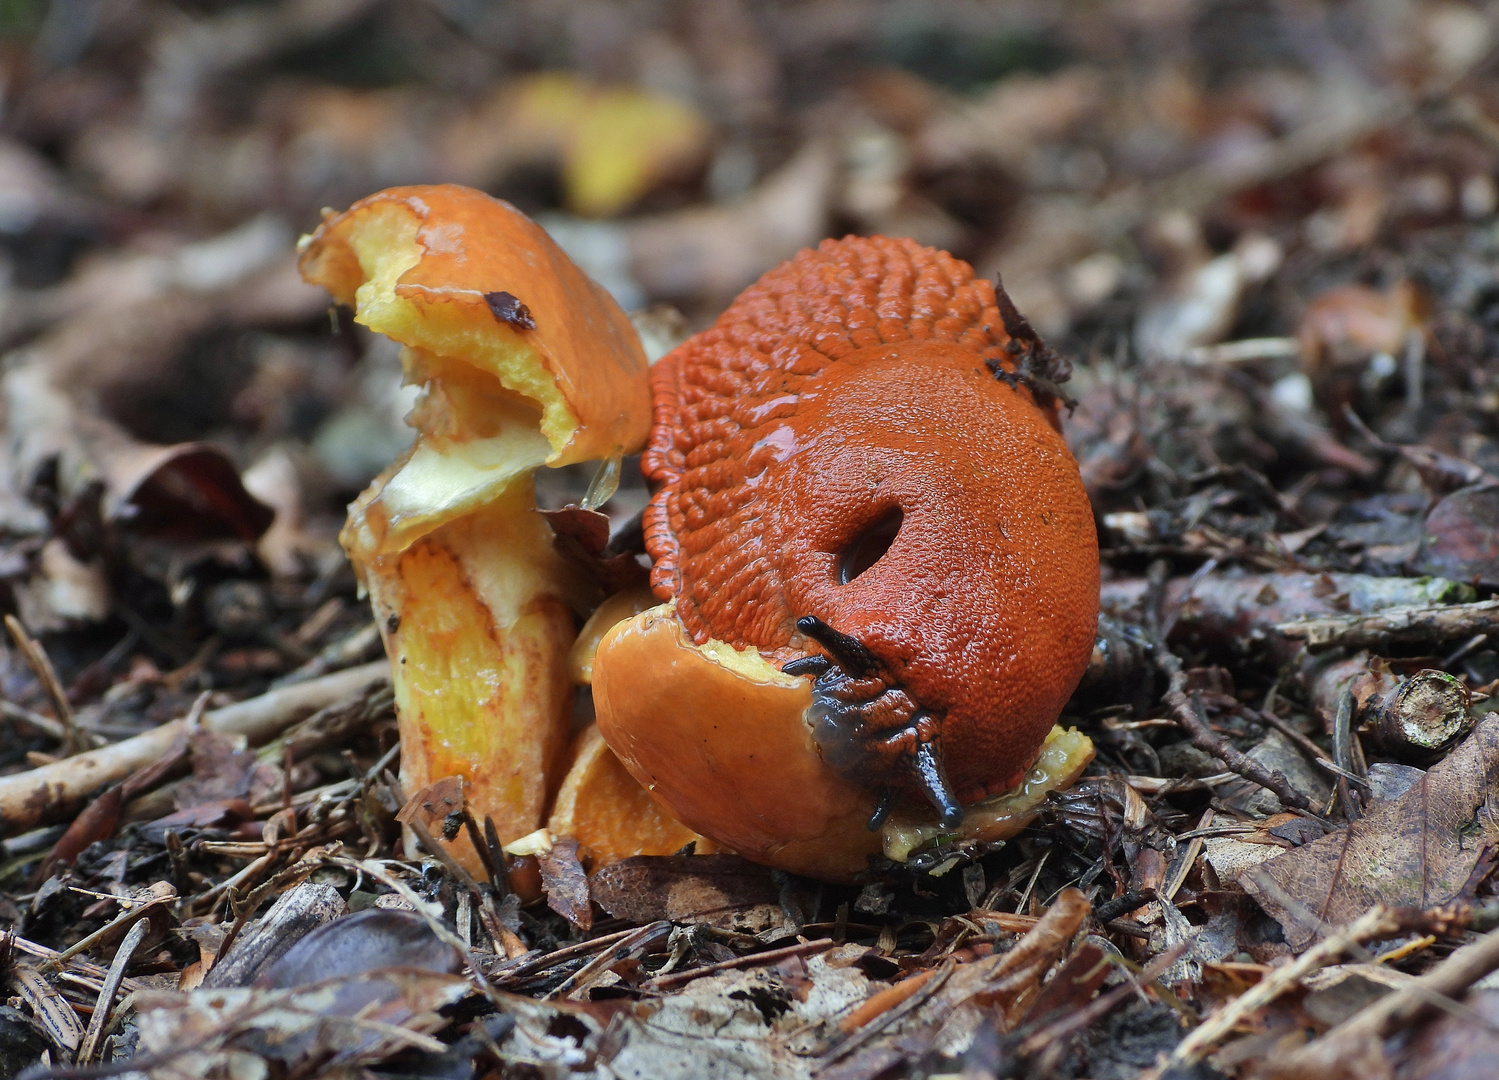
(860, 475)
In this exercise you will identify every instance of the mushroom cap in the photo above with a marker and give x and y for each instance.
(428, 265)
(721, 738)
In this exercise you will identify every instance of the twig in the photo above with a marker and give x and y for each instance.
(111, 987)
(46, 674)
(1341, 1050)
(1189, 713)
(1343, 774)
(32, 798)
(498, 933)
(1342, 752)
(133, 915)
(45, 724)
(774, 956)
(636, 941)
(84, 968)
(1396, 625)
(1308, 747)
(1375, 923)
(521, 966)
(343, 652)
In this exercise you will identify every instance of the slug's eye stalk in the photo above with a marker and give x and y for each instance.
(933, 780)
(849, 652)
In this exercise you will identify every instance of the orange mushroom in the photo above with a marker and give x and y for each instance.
(523, 361)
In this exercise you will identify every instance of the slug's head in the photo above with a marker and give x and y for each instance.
(941, 568)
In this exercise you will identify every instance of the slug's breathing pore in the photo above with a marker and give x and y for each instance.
(860, 475)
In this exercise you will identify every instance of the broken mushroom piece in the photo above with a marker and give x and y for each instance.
(721, 737)
(734, 756)
(610, 815)
(523, 361)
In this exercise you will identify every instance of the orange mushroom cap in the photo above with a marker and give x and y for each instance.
(477, 281)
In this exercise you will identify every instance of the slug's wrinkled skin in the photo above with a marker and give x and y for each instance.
(865, 390)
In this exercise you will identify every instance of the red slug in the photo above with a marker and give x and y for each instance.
(859, 473)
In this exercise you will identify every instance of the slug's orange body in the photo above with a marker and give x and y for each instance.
(857, 478)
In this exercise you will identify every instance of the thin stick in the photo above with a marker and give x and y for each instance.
(111, 987)
(134, 914)
(639, 939)
(523, 966)
(45, 724)
(1189, 713)
(1375, 923)
(1308, 747)
(774, 956)
(1338, 1051)
(46, 674)
(50, 792)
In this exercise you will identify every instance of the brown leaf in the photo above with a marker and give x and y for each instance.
(565, 883)
(97, 822)
(433, 805)
(223, 769)
(590, 528)
(1461, 538)
(99, 818)
(687, 888)
(358, 944)
(582, 536)
(1415, 851)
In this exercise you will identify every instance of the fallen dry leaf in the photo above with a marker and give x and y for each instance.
(565, 883)
(357, 945)
(1461, 538)
(721, 890)
(1416, 851)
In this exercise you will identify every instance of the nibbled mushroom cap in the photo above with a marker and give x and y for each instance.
(721, 739)
(425, 285)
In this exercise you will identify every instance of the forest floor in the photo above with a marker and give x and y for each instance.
(1266, 235)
